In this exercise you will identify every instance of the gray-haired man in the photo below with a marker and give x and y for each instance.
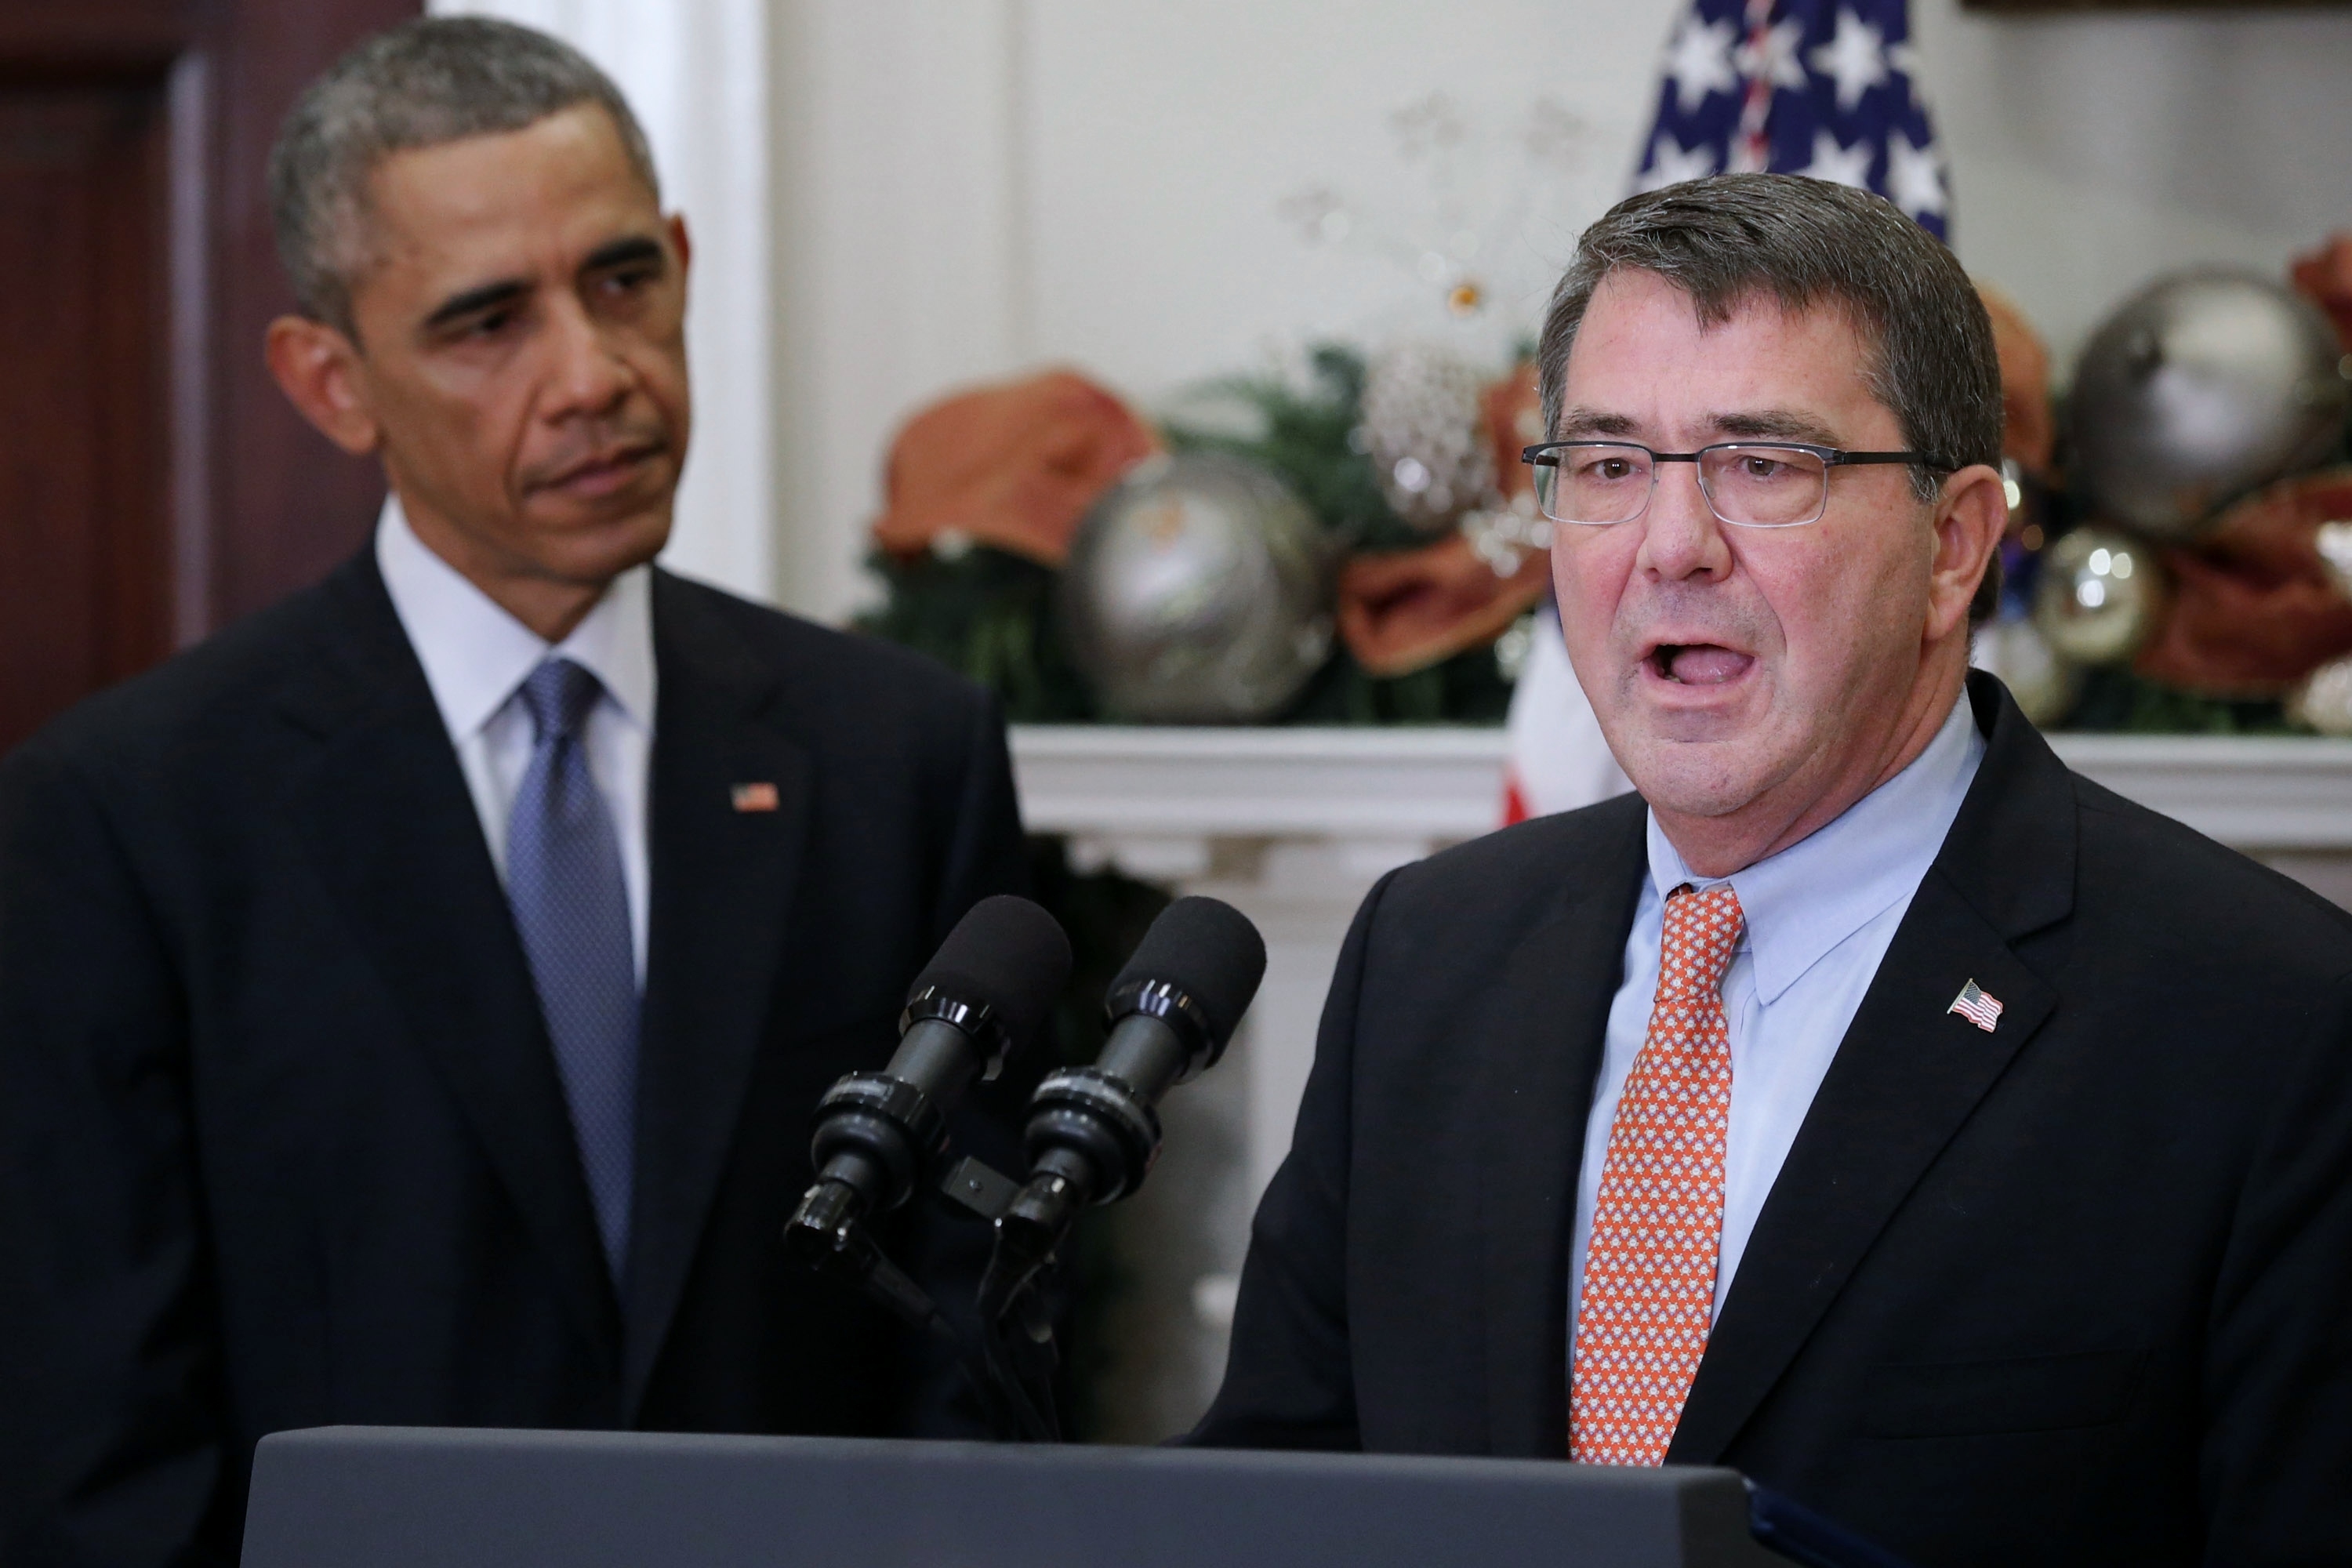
(1869, 1103)
(412, 1002)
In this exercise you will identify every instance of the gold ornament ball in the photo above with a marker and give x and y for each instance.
(2099, 595)
(2334, 542)
(2013, 648)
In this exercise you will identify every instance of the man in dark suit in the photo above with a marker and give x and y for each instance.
(413, 1001)
(1870, 1103)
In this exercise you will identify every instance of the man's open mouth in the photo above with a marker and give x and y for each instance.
(1699, 664)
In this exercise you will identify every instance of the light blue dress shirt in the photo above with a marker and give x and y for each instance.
(1820, 915)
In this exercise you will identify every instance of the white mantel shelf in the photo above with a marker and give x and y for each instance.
(2255, 793)
(1293, 825)
(1161, 803)
(1444, 785)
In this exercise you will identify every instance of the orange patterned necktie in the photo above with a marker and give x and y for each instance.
(1649, 1271)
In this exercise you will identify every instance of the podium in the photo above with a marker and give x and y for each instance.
(362, 1497)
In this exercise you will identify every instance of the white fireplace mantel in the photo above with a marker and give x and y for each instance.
(1294, 826)
(1114, 783)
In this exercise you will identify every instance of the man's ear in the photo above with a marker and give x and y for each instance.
(1971, 514)
(319, 370)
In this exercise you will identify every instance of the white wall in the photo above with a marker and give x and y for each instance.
(897, 246)
(1166, 137)
(970, 187)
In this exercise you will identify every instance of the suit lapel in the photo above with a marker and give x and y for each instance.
(722, 886)
(393, 835)
(1552, 1011)
(1906, 1076)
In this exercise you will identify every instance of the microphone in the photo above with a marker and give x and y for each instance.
(1093, 1131)
(986, 993)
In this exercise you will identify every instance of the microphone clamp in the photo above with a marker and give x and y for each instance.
(1099, 1115)
(876, 1131)
(883, 1127)
(1092, 1138)
(1177, 1007)
(981, 1023)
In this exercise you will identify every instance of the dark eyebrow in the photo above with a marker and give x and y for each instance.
(621, 252)
(1775, 424)
(1577, 422)
(636, 247)
(472, 301)
(1759, 424)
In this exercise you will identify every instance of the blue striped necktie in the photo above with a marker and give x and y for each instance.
(571, 908)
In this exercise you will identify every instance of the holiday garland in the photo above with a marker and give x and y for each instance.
(991, 610)
(990, 614)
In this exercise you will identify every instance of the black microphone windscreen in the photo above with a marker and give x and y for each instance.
(1009, 953)
(1209, 948)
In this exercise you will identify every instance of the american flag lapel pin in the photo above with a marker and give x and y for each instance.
(1977, 1008)
(762, 796)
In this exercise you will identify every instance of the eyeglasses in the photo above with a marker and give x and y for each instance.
(1749, 484)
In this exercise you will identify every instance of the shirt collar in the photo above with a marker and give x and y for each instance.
(1800, 903)
(475, 653)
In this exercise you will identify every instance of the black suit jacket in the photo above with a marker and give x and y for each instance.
(2077, 1290)
(281, 1139)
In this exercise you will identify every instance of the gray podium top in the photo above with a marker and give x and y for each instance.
(392, 1497)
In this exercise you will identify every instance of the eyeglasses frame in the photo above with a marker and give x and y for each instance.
(1831, 457)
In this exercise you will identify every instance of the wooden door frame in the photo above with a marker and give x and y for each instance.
(258, 503)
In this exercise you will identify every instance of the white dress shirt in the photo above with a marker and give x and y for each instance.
(476, 659)
(1820, 915)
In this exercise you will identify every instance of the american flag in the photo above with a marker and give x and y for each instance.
(1977, 1007)
(1825, 88)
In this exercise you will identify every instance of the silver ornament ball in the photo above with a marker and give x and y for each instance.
(1198, 591)
(1423, 431)
(2199, 388)
(2098, 596)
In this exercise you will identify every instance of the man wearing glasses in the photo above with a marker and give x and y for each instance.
(1869, 1103)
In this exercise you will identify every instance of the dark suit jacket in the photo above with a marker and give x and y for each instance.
(282, 1141)
(2077, 1291)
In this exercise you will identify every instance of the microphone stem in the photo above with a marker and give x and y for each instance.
(1034, 1226)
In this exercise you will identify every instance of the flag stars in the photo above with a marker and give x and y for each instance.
(1671, 164)
(1698, 62)
(1772, 57)
(1905, 59)
(1839, 165)
(1914, 177)
(1855, 57)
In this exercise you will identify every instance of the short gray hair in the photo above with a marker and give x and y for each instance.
(1729, 238)
(421, 84)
